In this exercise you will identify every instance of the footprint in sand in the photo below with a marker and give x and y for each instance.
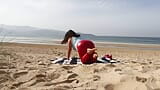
(70, 78)
(25, 88)
(141, 79)
(16, 85)
(5, 77)
(153, 84)
(53, 75)
(20, 73)
(30, 82)
(61, 82)
(34, 82)
(118, 70)
(68, 67)
(3, 72)
(146, 69)
(63, 88)
(37, 79)
(96, 78)
(41, 63)
(69, 71)
(4, 65)
(109, 87)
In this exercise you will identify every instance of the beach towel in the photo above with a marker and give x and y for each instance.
(76, 60)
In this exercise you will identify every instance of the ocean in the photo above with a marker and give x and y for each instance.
(111, 39)
(132, 40)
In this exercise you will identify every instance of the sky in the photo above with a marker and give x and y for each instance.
(99, 17)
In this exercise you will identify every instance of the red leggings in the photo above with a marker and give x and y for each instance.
(82, 47)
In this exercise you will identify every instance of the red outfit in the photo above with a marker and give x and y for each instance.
(82, 50)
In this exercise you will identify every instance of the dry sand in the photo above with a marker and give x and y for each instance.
(27, 67)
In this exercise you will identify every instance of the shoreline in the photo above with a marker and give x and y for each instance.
(99, 44)
(50, 41)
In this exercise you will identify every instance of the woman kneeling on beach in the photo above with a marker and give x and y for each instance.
(86, 48)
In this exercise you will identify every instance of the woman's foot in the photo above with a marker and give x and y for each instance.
(95, 56)
(91, 51)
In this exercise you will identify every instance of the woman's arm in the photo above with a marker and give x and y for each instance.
(69, 48)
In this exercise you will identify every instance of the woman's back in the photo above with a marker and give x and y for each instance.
(75, 41)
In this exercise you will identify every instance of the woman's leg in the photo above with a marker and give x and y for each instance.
(95, 56)
(86, 50)
(89, 58)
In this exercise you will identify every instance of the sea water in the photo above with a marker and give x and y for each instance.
(114, 39)
(136, 40)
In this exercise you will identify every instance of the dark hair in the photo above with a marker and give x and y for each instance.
(69, 33)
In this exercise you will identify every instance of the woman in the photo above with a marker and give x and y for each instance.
(86, 48)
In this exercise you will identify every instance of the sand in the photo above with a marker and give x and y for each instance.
(27, 67)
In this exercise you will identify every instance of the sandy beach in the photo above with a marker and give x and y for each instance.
(28, 67)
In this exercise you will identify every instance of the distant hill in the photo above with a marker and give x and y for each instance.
(33, 32)
(27, 31)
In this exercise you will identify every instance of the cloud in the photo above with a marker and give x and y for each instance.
(102, 17)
